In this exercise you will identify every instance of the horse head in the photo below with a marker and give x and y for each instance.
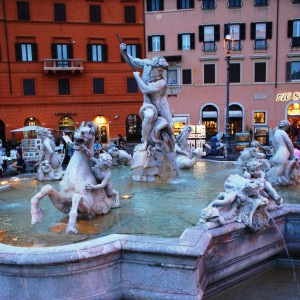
(84, 136)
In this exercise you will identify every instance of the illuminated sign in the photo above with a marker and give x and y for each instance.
(288, 96)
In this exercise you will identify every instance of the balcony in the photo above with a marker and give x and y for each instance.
(63, 65)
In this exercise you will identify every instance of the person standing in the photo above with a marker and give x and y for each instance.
(214, 141)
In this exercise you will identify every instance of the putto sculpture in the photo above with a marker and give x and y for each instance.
(82, 192)
(284, 168)
(119, 156)
(50, 165)
(185, 157)
(154, 158)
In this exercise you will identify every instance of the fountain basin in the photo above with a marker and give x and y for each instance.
(198, 264)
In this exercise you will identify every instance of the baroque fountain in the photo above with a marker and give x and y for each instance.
(187, 237)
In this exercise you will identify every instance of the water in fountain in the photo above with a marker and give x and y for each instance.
(158, 209)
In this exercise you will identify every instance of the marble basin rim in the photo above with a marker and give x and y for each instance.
(119, 266)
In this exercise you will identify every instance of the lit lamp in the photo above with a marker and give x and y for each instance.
(228, 48)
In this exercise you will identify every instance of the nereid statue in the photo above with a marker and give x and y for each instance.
(50, 166)
(185, 157)
(154, 158)
(83, 191)
(284, 167)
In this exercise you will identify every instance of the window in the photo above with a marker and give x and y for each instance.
(132, 86)
(130, 14)
(186, 76)
(260, 32)
(64, 86)
(184, 4)
(23, 11)
(296, 1)
(259, 117)
(98, 85)
(96, 52)
(156, 43)
(293, 70)
(95, 14)
(260, 72)
(62, 52)
(208, 4)
(209, 34)
(238, 32)
(261, 2)
(234, 3)
(294, 32)
(153, 5)
(209, 73)
(59, 12)
(172, 77)
(135, 50)
(28, 87)
(235, 73)
(186, 41)
(26, 52)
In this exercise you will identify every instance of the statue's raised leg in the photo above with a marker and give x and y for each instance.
(72, 224)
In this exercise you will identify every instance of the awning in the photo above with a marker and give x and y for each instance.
(180, 119)
(209, 115)
(235, 114)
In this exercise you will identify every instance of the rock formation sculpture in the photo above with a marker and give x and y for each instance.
(50, 166)
(77, 196)
(284, 167)
(185, 157)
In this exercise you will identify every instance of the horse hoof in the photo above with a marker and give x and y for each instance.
(71, 229)
(36, 216)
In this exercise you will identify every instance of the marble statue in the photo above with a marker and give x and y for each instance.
(81, 193)
(253, 152)
(244, 200)
(49, 166)
(119, 156)
(153, 159)
(185, 157)
(284, 167)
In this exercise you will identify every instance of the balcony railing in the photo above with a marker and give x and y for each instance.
(63, 65)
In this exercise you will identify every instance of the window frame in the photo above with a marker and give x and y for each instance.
(204, 72)
(132, 87)
(233, 72)
(261, 43)
(64, 87)
(29, 87)
(256, 73)
(95, 14)
(209, 45)
(23, 10)
(187, 40)
(22, 49)
(238, 32)
(155, 5)
(93, 51)
(208, 5)
(233, 4)
(255, 113)
(263, 3)
(294, 33)
(160, 38)
(185, 4)
(289, 68)
(98, 86)
(187, 76)
(175, 77)
(60, 14)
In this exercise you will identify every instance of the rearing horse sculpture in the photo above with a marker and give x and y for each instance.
(73, 197)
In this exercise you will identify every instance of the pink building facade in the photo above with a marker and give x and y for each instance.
(264, 64)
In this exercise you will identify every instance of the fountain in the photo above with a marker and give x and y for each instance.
(150, 247)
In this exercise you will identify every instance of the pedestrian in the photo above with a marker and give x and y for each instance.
(214, 142)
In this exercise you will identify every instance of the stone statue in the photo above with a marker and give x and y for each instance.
(284, 168)
(185, 157)
(154, 159)
(253, 152)
(49, 166)
(80, 193)
(244, 201)
(119, 156)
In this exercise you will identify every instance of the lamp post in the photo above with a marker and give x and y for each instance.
(228, 47)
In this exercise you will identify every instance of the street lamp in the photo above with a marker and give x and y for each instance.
(228, 48)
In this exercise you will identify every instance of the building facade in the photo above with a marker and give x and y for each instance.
(264, 72)
(60, 65)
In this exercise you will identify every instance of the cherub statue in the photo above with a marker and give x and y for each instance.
(102, 173)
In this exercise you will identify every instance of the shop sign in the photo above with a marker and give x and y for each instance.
(288, 96)
(65, 114)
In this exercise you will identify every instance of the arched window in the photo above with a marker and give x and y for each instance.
(235, 119)
(32, 121)
(102, 128)
(133, 128)
(210, 120)
(66, 125)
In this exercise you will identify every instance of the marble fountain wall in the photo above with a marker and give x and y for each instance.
(194, 266)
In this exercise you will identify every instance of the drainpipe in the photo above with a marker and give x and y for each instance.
(7, 49)
(276, 54)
